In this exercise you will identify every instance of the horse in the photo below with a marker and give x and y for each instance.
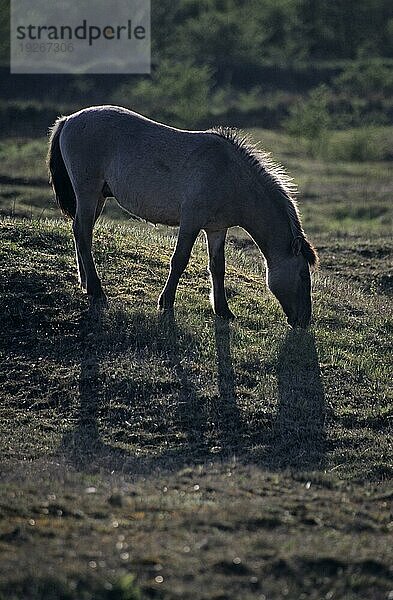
(207, 181)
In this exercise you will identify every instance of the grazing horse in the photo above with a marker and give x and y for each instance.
(197, 180)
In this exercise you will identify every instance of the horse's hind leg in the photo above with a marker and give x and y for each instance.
(215, 245)
(99, 207)
(185, 241)
(85, 218)
(79, 262)
(81, 268)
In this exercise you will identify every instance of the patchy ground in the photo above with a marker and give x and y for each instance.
(149, 457)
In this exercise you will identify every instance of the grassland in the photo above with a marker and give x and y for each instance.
(145, 456)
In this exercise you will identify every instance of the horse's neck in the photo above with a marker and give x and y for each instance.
(269, 226)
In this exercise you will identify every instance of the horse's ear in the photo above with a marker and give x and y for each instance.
(297, 245)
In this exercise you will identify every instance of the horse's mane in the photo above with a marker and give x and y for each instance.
(274, 178)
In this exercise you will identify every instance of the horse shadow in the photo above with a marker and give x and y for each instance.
(298, 431)
(295, 436)
(83, 446)
(211, 427)
(202, 427)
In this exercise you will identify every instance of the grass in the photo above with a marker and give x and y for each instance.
(145, 456)
(209, 460)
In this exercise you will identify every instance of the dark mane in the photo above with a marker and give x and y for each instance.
(274, 178)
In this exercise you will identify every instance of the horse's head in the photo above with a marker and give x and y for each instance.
(290, 282)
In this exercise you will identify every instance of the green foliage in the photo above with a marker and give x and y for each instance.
(232, 61)
(368, 143)
(24, 158)
(124, 588)
(311, 119)
(212, 37)
(175, 93)
(342, 29)
(312, 122)
(226, 33)
(364, 77)
(278, 29)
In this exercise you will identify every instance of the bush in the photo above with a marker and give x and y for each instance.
(175, 93)
(361, 144)
(310, 120)
(361, 78)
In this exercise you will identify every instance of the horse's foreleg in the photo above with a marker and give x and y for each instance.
(83, 233)
(215, 245)
(179, 261)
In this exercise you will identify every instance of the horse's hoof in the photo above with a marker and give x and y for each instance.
(162, 307)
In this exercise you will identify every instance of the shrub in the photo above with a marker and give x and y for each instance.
(361, 144)
(310, 119)
(175, 93)
(362, 78)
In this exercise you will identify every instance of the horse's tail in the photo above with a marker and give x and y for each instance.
(58, 175)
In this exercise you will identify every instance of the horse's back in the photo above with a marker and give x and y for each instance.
(150, 167)
(116, 124)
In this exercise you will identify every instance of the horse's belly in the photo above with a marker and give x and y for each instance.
(159, 214)
(155, 210)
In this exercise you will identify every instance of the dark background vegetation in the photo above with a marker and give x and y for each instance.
(238, 62)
